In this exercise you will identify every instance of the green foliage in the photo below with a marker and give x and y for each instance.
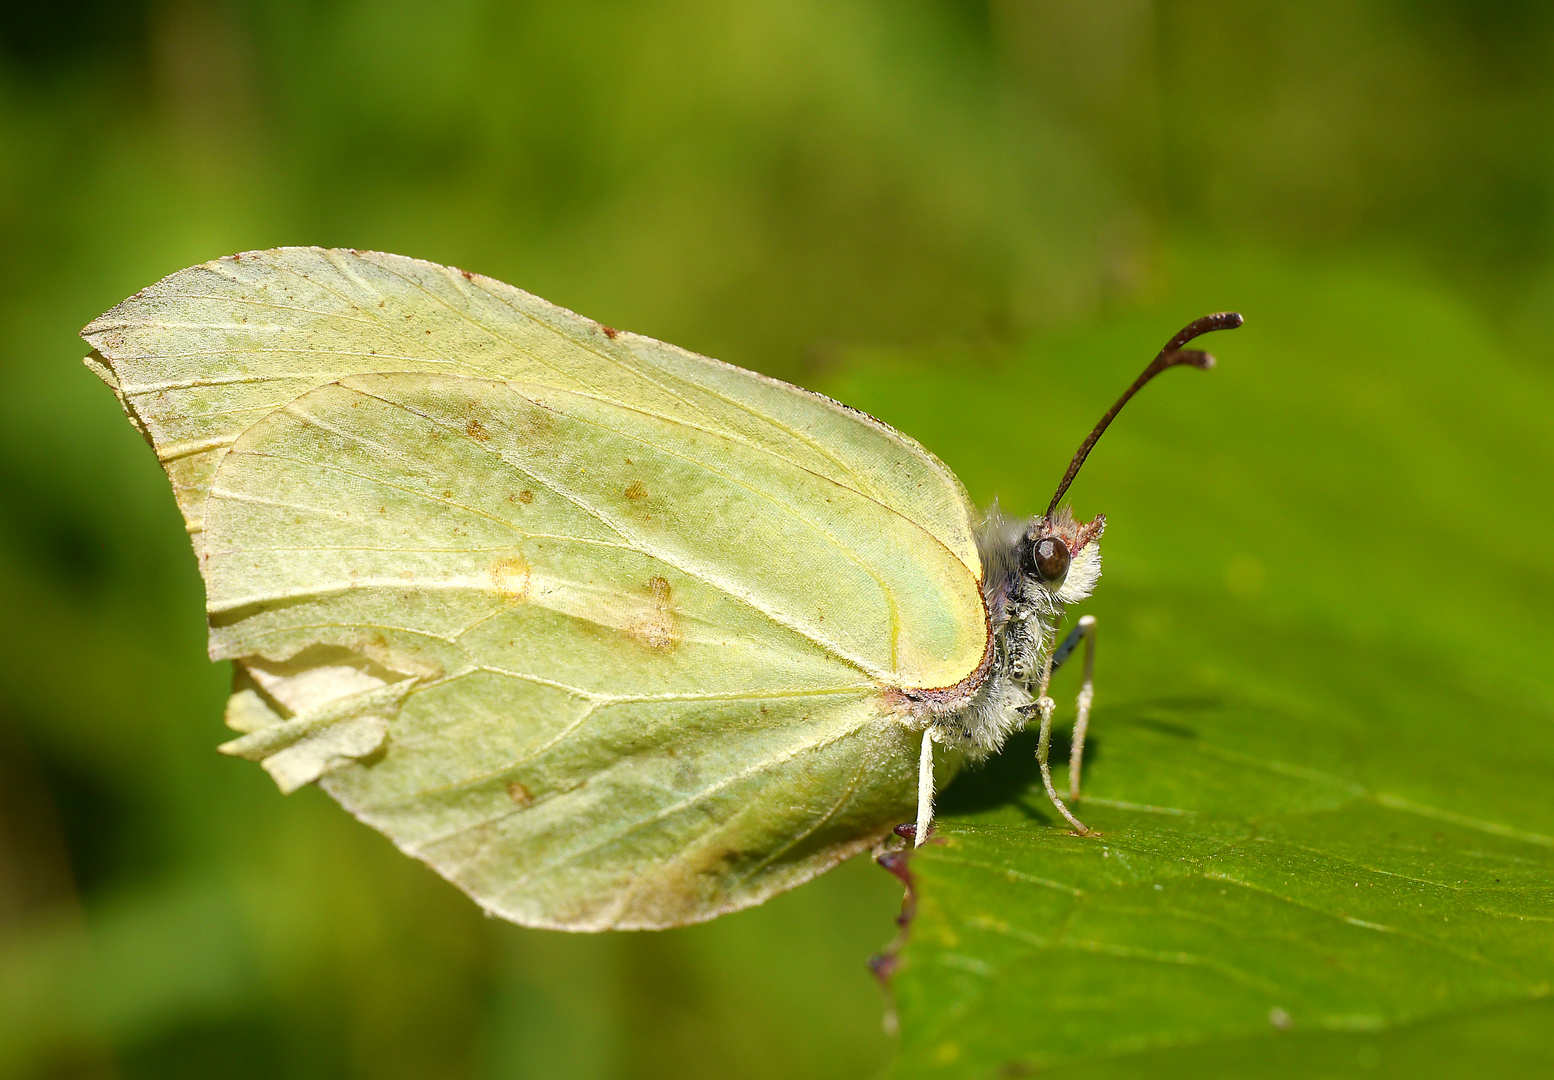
(1319, 761)
(1331, 552)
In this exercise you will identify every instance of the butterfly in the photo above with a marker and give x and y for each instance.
(609, 634)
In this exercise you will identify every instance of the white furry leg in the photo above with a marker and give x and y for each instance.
(1045, 705)
(1043, 741)
(1076, 755)
(924, 789)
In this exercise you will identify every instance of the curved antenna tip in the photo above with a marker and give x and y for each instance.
(1222, 320)
(1173, 355)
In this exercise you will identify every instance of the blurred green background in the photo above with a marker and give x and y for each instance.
(894, 200)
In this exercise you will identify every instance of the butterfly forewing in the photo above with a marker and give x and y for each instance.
(606, 638)
(205, 353)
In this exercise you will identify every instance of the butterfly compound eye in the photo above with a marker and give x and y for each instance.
(1047, 559)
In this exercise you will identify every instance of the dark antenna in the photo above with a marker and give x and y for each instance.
(1171, 356)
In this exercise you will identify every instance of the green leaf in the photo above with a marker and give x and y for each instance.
(1321, 753)
(1322, 905)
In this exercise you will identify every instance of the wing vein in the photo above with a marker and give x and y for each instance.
(656, 552)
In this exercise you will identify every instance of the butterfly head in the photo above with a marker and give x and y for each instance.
(1060, 554)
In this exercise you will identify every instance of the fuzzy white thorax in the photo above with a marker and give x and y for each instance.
(1023, 616)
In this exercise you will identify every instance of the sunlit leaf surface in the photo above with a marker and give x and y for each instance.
(1321, 756)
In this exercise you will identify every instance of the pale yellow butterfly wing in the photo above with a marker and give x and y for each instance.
(599, 629)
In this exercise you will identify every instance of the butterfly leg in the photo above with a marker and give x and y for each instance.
(1076, 756)
(1043, 744)
(1046, 706)
(924, 789)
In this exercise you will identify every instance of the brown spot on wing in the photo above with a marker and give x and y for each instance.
(526, 496)
(519, 794)
(657, 630)
(510, 579)
(635, 490)
(609, 331)
(476, 430)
